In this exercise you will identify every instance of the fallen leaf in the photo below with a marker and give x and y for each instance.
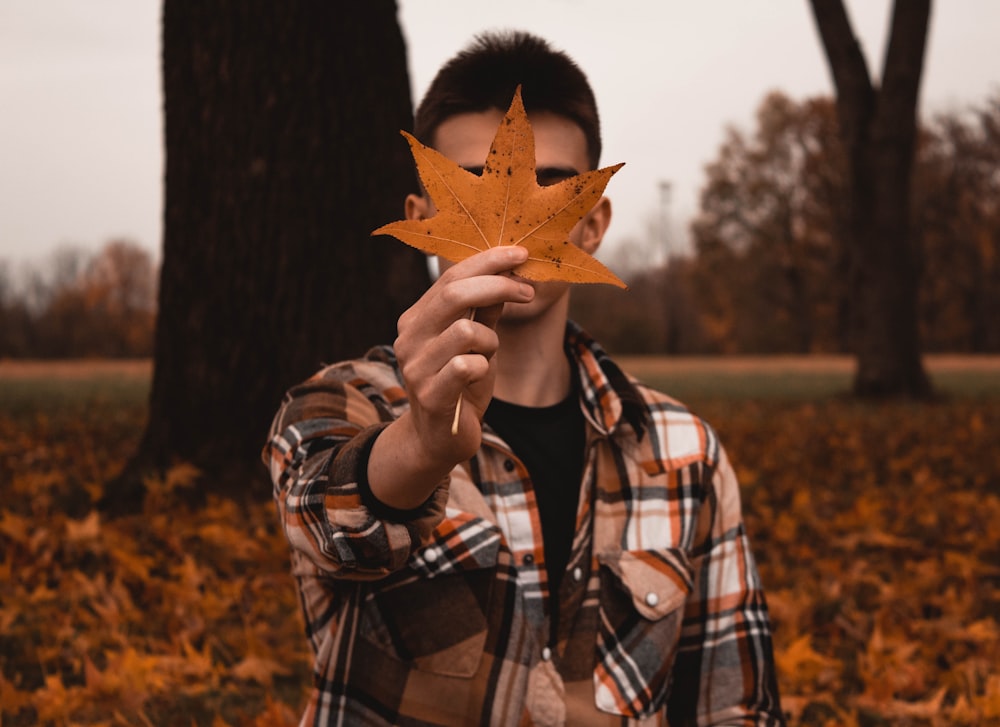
(977, 632)
(86, 529)
(991, 699)
(861, 638)
(260, 670)
(800, 663)
(14, 526)
(506, 206)
(11, 697)
(900, 709)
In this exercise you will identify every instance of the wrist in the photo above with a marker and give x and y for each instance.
(402, 473)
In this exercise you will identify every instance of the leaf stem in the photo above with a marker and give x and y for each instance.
(458, 405)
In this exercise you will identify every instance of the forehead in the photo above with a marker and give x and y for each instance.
(466, 138)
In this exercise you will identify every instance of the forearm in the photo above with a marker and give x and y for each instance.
(401, 474)
(328, 517)
(446, 352)
(318, 455)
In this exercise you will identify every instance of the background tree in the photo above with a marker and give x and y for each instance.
(656, 315)
(957, 195)
(55, 296)
(81, 305)
(14, 317)
(768, 267)
(282, 154)
(878, 127)
(118, 292)
(769, 274)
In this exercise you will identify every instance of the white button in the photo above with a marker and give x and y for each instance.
(430, 556)
(546, 653)
(577, 574)
(652, 599)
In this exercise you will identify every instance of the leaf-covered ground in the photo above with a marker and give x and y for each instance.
(877, 530)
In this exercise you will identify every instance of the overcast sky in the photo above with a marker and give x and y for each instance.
(81, 156)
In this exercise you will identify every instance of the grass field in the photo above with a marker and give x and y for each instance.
(798, 376)
(26, 384)
(875, 528)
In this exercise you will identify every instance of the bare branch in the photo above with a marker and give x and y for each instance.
(843, 51)
(904, 58)
(855, 94)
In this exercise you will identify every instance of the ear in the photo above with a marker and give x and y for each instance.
(595, 224)
(417, 207)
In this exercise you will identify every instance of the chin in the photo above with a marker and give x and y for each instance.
(519, 311)
(551, 298)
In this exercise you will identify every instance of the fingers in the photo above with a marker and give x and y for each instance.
(458, 356)
(473, 283)
(446, 352)
(439, 390)
(489, 315)
(499, 259)
(447, 342)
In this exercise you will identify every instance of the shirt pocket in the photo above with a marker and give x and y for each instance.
(642, 598)
(434, 613)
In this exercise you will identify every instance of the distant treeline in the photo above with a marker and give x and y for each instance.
(80, 305)
(767, 272)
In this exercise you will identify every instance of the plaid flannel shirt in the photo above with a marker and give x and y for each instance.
(438, 616)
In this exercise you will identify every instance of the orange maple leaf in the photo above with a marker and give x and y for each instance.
(506, 206)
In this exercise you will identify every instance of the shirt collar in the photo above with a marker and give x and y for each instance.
(609, 396)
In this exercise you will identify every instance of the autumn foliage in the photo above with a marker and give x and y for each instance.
(876, 532)
(178, 615)
(770, 271)
(766, 272)
(875, 529)
(80, 304)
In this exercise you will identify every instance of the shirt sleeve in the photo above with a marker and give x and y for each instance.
(317, 454)
(725, 655)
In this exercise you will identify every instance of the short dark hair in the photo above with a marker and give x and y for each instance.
(486, 73)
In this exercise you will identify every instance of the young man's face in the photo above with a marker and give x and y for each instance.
(560, 152)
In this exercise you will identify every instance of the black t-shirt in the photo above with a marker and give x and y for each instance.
(550, 442)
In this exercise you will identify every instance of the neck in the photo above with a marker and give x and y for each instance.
(532, 369)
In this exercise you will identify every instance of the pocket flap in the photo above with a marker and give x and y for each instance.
(658, 581)
(635, 655)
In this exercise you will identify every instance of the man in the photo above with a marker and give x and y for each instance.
(574, 553)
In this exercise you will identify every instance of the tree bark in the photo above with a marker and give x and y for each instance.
(878, 127)
(283, 152)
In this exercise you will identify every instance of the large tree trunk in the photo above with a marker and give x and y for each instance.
(878, 126)
(283, 152)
